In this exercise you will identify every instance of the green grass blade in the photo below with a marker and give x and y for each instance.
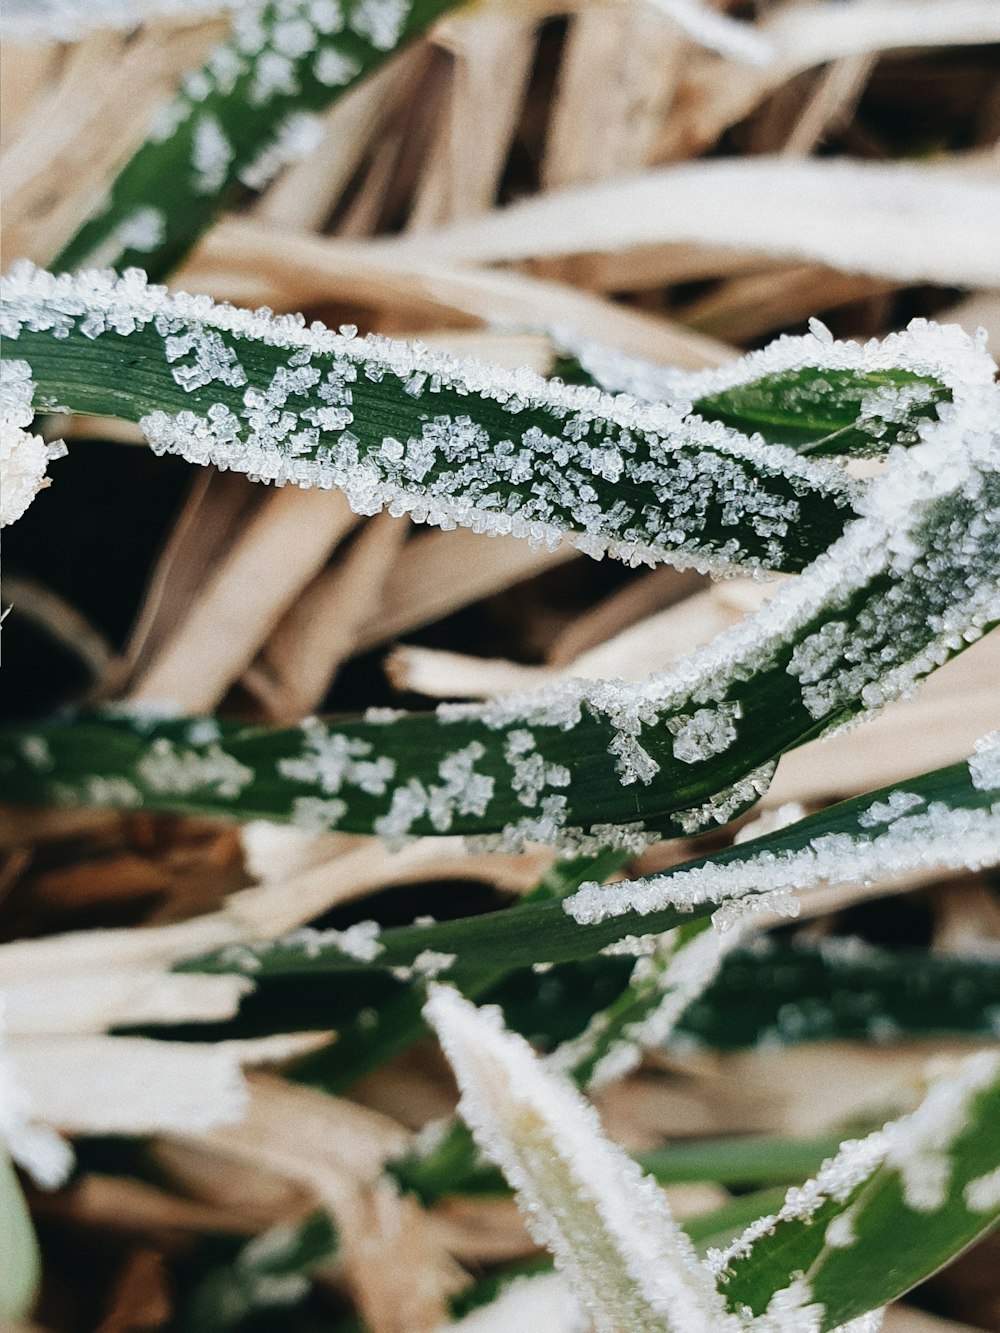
(251, 108)
(951, 822)
(454, 443)
(885, 1213)
(377, 1033)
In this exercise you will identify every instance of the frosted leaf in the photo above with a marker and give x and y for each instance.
(919, 1145)
(680, 477)
(940, 835)
(609, 1227)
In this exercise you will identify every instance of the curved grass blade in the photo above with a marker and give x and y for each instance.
(452, 443)
(882, 1215)
(907, 585)
(942, 818)
(252, 107)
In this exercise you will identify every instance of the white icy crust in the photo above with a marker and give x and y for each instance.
(917, 1147)
(952, 838)
(663, 985)
(453, 473)
(609, 1227)
(23, 456)
(984, 764)
(920, 1144)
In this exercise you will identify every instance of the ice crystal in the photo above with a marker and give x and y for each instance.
(331, 760)
(704, 733)
(919, 1145)
(23, 457)
(172, 770)
(984, 764)
(884, 812)
(211, 155)
(982, 1195)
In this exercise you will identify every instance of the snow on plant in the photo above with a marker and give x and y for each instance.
(628, 1262)
(896, 576)
(610, 1228)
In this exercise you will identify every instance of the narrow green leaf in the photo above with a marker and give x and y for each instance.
(883, 1214)
(377, 1033)
(946, 820)
(451, 442)
(252, 107)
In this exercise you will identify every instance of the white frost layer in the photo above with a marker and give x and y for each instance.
(23, 456)
(940, 836)
(917, 1147)
(609, 1227)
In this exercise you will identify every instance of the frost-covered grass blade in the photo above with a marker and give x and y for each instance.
(252, 108)
(451, 442)
(884, 1213)
(609, 1228)
(956, 824)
